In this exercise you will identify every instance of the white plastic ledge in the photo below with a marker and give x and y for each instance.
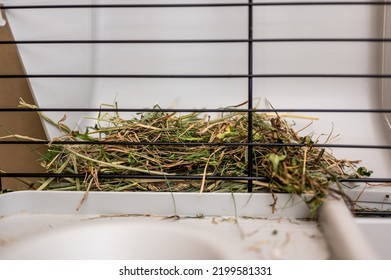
(345, 239)
(152, 203)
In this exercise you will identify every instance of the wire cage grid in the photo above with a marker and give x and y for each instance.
(249, 77)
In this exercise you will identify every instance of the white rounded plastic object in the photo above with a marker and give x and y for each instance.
(118, 241)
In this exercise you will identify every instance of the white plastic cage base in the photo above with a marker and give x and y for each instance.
(377, 232)
(240, 226)
(234, 226)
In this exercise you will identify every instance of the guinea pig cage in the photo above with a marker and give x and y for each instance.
(221, 129)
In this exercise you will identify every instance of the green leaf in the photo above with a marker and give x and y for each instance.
(51, 153)
(363, 171)
(82, 136)
(275, 161)
(307, 140)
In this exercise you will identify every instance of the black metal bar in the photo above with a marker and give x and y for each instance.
(123, 76)
(383, 214)
(359, 76)
(163, 176)
(192, 76)
(366, 180)
(118, 6)
(190, 144)
(200, 41)
(199, 110)
(130, 176)
(250, 97)
(349, 146)
(164, 41)
(193, 5)
(322, 3)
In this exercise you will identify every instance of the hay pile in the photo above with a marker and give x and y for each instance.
(300, 168)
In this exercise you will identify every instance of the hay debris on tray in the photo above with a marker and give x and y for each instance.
(302, 169)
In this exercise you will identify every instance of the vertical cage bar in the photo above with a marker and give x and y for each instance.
(250, 97)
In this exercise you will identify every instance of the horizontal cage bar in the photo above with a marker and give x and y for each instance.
(202, 41)
(249, 144)
(193, 76)
(193, 5)
(200, 110)
(170, 177)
